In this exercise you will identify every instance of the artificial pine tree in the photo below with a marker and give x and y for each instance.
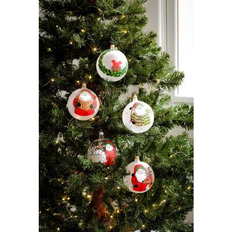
(75, 193)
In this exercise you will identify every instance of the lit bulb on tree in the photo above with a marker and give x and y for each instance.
(138, 116)
(102, 150)
(112, 65)
(140, 176)
(83, 104)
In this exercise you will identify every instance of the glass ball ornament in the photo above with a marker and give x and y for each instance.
(112, 65)
(138, 116)
(83, 104)
(140, 176)
(102, 151)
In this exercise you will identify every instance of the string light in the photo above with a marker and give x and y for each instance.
(90, 77)
(80, 224)
(163, 201)
(93, 120)
(57, 26)
(118, 187)
(117, 211)
(123, 16)
(63, 199)
(89, 196)
(143, 226)
(52, 79)
(94, 49)
(111, 216)
(173, 155)
(189, 188)
(146, 210)
(99, 19)
(158, 81)
(78, 82)
(70, 42)
(136, 200)
(58, 229)
(68, 198)
(82, 30)
(49, 49)
(106, 178)
(111, 227)
(125, 31)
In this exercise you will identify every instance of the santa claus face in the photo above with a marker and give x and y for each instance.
(141, 175)
(109, 147)
(85, 96)
(140, 110)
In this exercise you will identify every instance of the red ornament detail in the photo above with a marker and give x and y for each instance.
(85, 108)
(116, 65)
(110, 155)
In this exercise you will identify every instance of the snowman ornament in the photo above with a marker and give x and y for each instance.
(138, 116)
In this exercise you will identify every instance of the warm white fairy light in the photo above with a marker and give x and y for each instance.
(82, 30)
(57, 26)
(58, 229)
(163, 201)
(70, 42)
(146, 211)
(90, 77)
(94, 49)
(118, 187)
(52, 79)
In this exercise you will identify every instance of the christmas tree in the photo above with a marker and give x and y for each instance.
(77, 194)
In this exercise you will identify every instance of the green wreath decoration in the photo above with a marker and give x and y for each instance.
(108, 71)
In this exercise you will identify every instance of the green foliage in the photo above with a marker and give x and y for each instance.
(69, 30)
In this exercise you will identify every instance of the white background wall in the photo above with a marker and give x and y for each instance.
(155, 25)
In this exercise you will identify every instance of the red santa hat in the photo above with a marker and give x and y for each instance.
(137, 167)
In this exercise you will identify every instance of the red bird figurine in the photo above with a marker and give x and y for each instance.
(116, 66)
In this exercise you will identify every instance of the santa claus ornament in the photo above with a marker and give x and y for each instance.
(140, 176)
(83, 104)
(138, 116)
(102, 151)
(112, 65)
